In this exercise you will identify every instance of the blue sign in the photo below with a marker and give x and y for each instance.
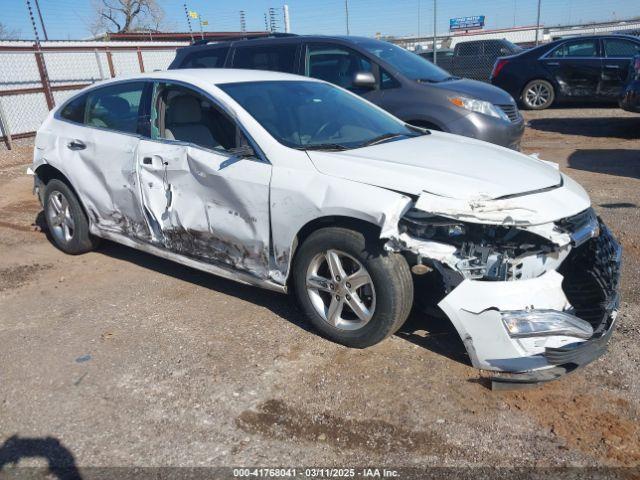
(475, 22)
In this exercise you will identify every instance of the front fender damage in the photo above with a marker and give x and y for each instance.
(486, 274)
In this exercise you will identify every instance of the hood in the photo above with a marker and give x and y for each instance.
(443, 164)
(475, 89)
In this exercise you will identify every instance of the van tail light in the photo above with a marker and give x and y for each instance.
(499, 65)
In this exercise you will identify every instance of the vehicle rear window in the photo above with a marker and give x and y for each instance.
(74, 110)
(209, 58)
(279, 58)
(468, 49)
(617, 47)
(115, 107)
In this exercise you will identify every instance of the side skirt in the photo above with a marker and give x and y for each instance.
(220, 271)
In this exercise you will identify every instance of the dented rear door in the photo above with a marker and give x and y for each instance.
(206, 205)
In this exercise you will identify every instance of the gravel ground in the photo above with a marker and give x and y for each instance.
(118, 358)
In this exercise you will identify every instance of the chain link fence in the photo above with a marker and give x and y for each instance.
(34, 79)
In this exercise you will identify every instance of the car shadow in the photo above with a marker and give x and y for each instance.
(61, 462)
(619, 162)
(427, 331)
(441, 338)
(627, 128)
(434, 334)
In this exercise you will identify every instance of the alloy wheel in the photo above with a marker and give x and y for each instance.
(537, 95)
(341, 290)
(60, 217)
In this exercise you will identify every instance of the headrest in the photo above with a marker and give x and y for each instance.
(115, 105)
(184, 109)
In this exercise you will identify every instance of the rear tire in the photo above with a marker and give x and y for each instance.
(376, 283)
(537, 95)
(66, 220)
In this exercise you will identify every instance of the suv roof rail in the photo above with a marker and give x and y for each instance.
(250, 36)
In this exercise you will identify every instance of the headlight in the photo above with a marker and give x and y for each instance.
(480, 106)
(541, 323)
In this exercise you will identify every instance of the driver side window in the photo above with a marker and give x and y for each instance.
(335, 64)
(183, 114)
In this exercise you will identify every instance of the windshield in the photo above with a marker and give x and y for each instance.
(409, 64)
(314, 115)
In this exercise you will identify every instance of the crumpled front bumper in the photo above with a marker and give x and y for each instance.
(475, 309)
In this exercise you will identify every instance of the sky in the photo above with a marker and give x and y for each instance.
(70, 19)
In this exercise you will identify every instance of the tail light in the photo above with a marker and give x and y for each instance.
(499, 65)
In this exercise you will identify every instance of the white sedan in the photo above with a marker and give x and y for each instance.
(290, 183)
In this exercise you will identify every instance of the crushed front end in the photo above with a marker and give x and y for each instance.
(533, 301)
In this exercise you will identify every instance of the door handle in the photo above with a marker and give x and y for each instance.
(76, 145)
(147, 160)
(555, 64)
(612, 66)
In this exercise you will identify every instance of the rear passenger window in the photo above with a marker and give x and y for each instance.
(74, 110)
(115, 107)
(621, 48)
(209, 58)
(279, 58)
(335, 64)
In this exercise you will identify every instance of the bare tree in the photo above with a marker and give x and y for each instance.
(6, 33)
(121, 16)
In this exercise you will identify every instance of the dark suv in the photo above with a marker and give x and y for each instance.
(401, 82)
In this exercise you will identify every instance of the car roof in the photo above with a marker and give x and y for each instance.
(351, 39)
(215, 76)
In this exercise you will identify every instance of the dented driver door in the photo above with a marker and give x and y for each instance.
(206, 205)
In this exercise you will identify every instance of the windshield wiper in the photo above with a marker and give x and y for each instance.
(323, 146)
(382, 138)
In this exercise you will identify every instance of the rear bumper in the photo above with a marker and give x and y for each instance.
(489, 129)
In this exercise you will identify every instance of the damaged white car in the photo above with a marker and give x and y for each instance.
(290, 183)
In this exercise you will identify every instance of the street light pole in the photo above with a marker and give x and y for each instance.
(346, 11)
(435, 35)
(538, 23)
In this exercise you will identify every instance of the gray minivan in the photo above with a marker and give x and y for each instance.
(401, 82)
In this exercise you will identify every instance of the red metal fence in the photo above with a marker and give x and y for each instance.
(33, 78)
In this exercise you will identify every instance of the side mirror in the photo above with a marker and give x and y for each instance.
(364, 80)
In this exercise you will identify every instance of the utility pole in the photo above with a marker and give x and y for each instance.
(186, 12)
(538, 23)
(44, 30)
(435, 35)
(266, 23)
(346, 11)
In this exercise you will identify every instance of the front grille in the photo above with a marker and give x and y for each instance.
(591, 278)
(511, 111)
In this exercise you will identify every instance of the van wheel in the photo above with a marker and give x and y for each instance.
(353, 291)
(538, 95)
(67, 222)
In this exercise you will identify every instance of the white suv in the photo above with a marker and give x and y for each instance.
(290, 183)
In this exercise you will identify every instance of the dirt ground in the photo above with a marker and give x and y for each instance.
(120, 358)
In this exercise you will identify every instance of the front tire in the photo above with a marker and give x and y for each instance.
(66, 220)
(538, 95)
(353, 291)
